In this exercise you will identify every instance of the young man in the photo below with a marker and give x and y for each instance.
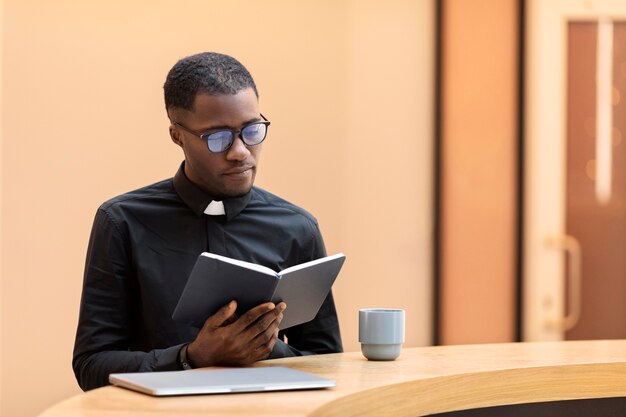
(144, 243)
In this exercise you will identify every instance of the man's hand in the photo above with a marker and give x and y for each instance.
(227, 340)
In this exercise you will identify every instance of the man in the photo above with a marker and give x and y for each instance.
(144, 243)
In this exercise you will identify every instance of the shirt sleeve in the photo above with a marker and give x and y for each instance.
(109, 295)
(320, 335)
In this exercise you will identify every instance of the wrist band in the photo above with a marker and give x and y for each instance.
(182, 358)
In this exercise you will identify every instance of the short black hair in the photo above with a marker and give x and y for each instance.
(207, 72)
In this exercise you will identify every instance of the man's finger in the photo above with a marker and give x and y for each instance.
(253, 314)
(222, 316)
(280, 309)
(264, 343)
(264, 322)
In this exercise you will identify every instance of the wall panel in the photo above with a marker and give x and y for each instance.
(347, 86)
(478, 195)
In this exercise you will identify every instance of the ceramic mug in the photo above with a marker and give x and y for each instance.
(381, 333)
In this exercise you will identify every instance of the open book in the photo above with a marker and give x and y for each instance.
(215, 280)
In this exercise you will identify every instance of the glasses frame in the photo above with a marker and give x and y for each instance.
(235, 132)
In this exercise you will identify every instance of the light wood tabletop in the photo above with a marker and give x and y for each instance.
(421, 381)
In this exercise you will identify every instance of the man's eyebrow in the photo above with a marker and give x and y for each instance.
(222, 127)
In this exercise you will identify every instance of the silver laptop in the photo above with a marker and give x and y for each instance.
(219, 381)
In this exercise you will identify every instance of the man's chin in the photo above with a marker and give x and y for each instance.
(237, 186)
(236, 192)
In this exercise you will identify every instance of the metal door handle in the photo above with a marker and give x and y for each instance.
(570, 245)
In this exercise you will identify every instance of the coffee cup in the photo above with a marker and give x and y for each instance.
(381, 333)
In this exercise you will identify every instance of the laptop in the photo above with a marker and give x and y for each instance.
(219, 381)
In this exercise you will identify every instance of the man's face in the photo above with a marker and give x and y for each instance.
(221, 175)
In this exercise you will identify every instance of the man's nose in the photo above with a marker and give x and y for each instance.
(238, 150)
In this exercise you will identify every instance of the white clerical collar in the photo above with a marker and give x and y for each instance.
(215, 208)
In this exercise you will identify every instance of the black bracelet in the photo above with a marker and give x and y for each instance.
(182, 358)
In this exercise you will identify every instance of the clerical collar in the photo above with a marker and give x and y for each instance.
(215, 208)
(200, 202)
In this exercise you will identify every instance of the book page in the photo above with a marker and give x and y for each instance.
(249, 265)
(310, 264)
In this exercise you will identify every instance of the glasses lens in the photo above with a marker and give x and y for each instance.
(254, 133)
(219, 141)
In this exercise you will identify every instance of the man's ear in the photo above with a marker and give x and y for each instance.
(176, 136)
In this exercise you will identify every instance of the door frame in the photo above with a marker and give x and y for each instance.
(543, 300)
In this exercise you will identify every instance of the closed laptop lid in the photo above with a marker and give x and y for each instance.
(219, 381)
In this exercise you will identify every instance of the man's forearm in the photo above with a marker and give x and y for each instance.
(92, 369)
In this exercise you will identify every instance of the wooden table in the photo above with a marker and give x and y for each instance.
(421, 381)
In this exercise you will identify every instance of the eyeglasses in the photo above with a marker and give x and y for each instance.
(222, 139)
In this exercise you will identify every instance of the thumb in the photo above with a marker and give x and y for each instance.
(221, 316)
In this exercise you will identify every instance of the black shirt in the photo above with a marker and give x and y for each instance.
(142, 248)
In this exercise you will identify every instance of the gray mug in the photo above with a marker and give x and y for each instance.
(381, 333)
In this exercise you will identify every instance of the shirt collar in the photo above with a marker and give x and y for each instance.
(198, 201)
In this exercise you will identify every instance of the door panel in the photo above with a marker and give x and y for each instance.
(596, 213)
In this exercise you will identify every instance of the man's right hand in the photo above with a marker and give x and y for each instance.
(226, 339)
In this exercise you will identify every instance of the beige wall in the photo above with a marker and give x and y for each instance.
(387, 164)
(478, 175)
(1, 206)
(347, 85)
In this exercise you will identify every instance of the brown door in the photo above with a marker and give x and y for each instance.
(596, 174)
